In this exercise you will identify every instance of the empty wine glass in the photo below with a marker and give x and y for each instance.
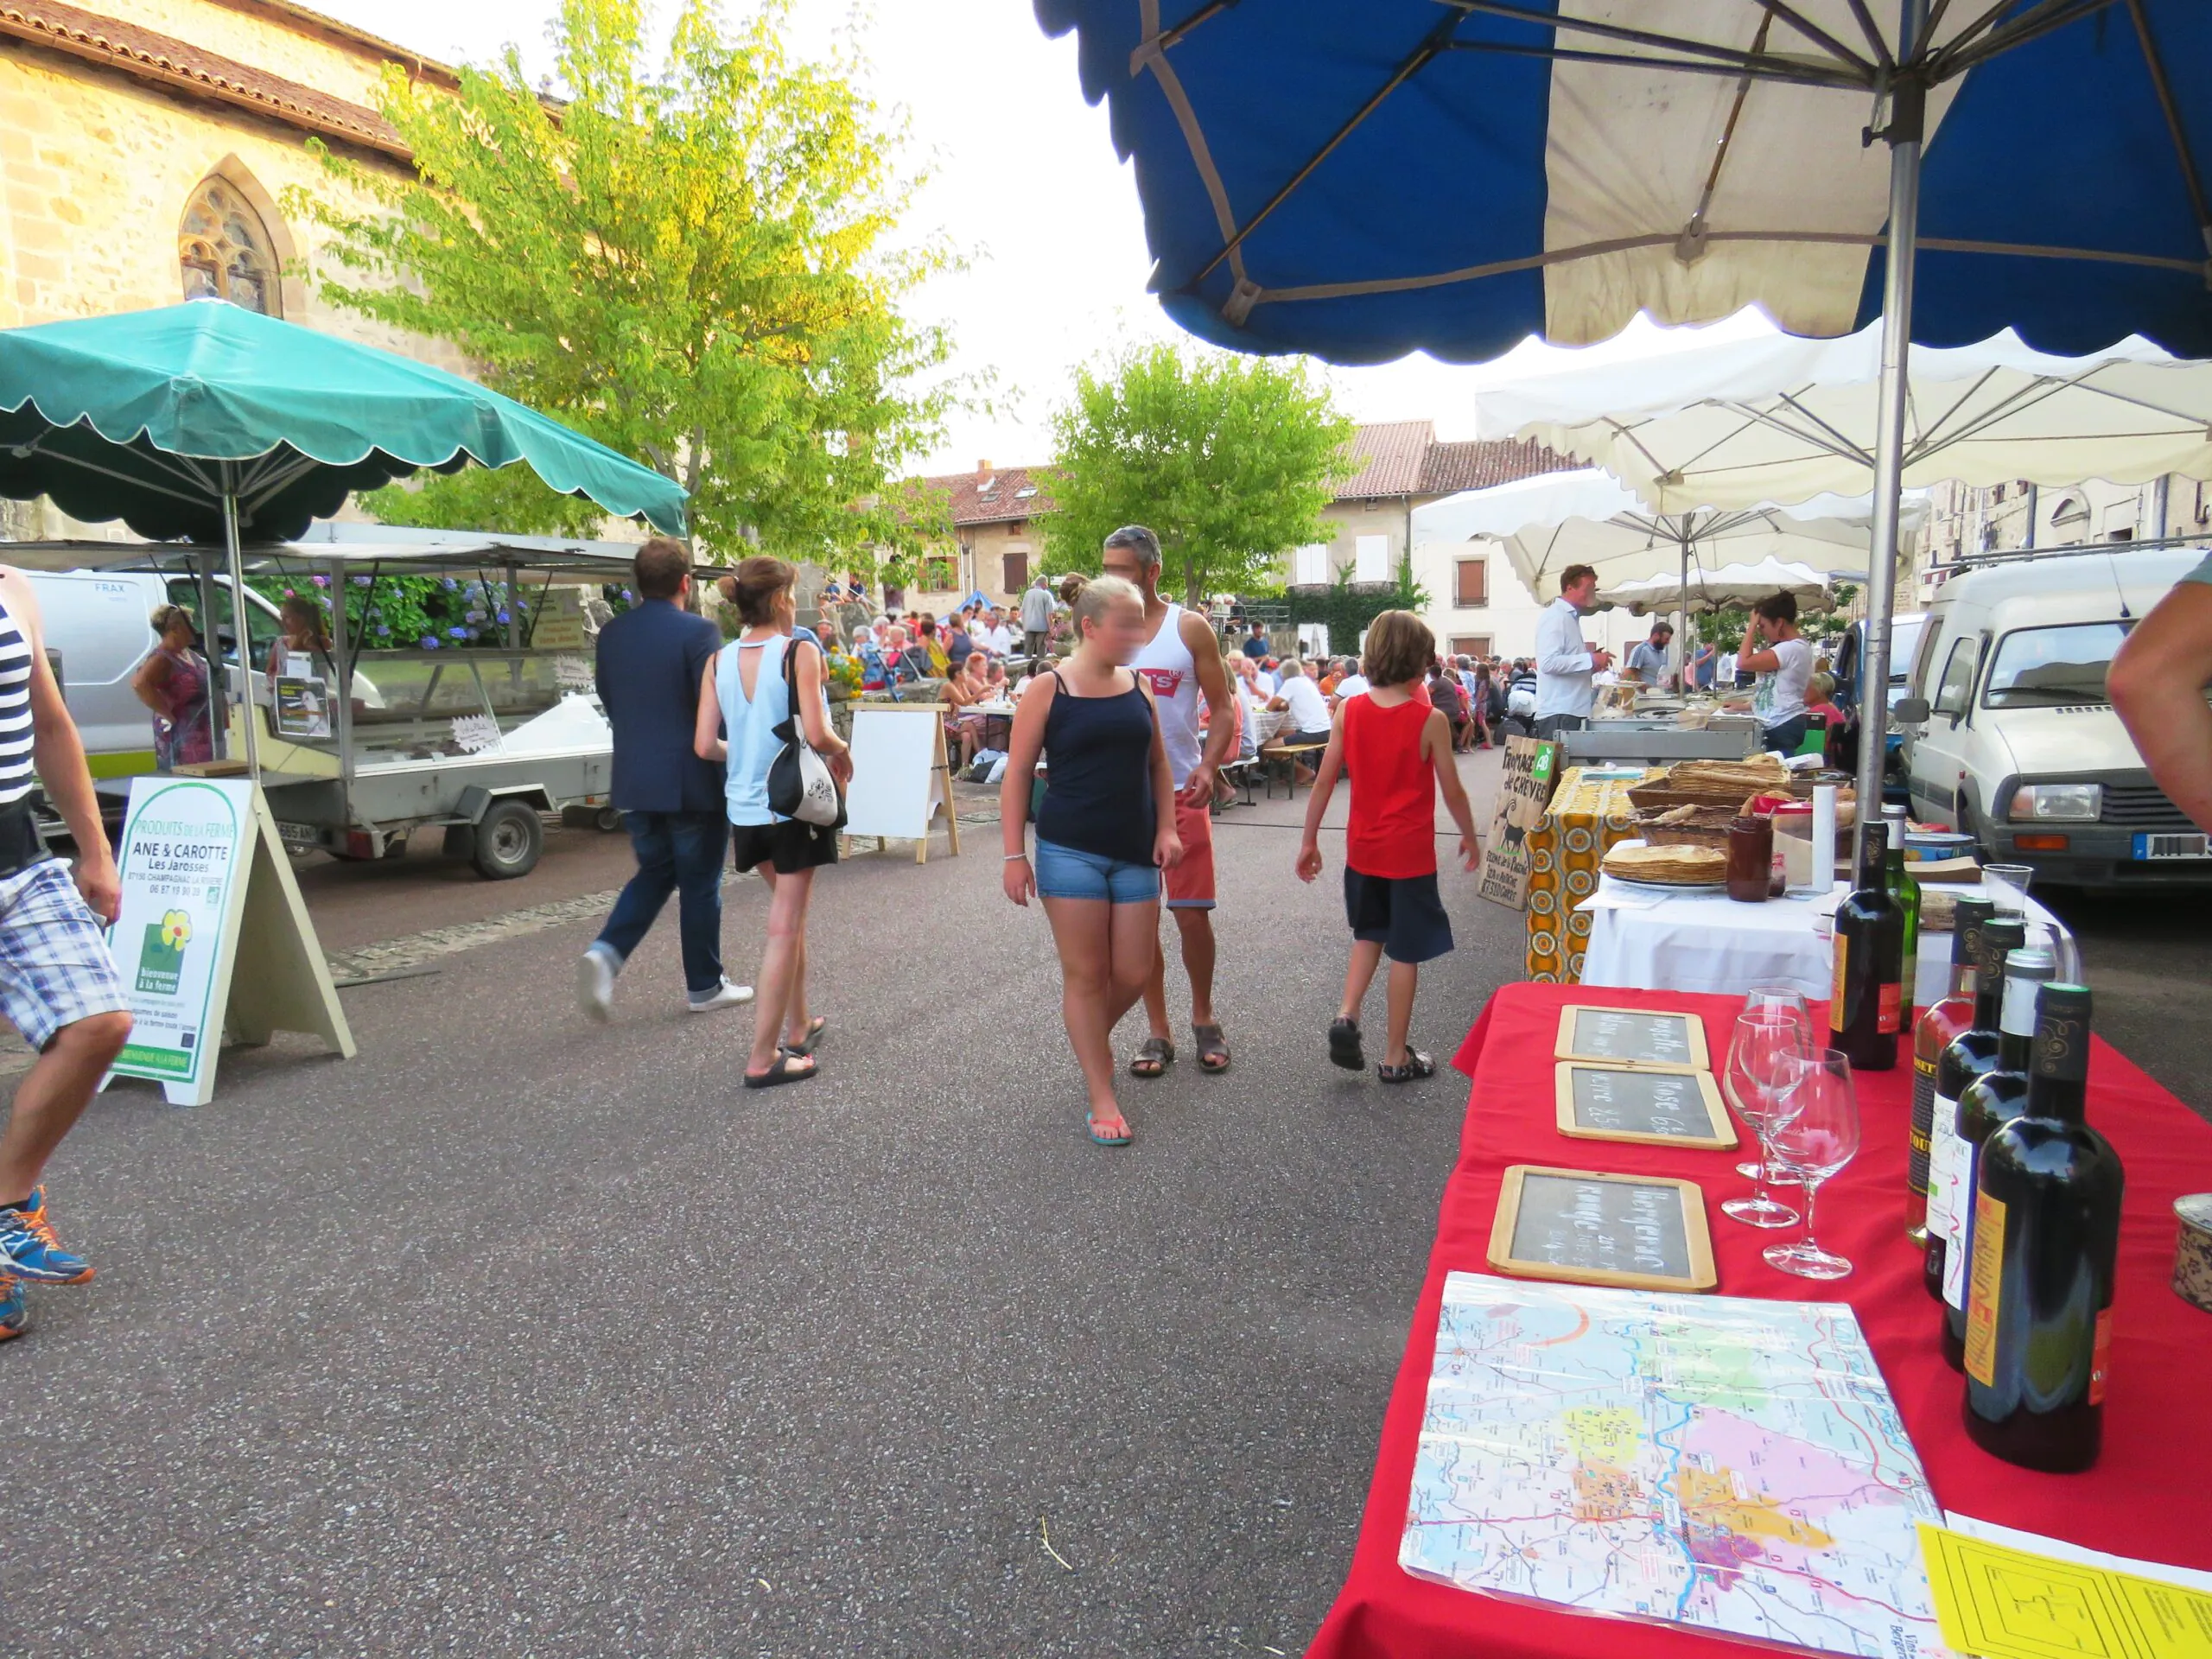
(1781, 1002)
(2007, 886)
(1760, 1053)
(1816, 1133)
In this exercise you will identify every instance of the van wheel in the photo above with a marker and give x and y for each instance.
(509, 839)
(609, 820)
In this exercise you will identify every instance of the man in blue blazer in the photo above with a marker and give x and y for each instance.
(652, 660)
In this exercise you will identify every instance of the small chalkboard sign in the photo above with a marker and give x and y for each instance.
(1640, 1232)
(1647, 1038)
(1608, 1102)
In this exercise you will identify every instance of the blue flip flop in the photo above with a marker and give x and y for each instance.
(1091, 1124)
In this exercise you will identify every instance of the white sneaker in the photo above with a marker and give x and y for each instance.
(595, 971)
(728, 997)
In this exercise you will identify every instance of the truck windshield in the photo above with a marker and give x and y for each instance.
(2040, 667)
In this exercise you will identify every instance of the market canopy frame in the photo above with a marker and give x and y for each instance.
(205, 421)
(1454, 175)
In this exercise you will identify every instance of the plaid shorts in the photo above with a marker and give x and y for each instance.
(55, 966)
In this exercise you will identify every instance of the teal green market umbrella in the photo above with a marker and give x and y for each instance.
(207, 421)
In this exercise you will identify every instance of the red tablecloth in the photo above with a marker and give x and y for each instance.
(2147, 1496)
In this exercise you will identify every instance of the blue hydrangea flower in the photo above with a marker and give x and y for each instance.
(451, 584)
(430, 642)
(504, 617)
(458, 633)
(360, 581)
(383, 629)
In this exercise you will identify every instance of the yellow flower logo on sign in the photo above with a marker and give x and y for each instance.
(176, 928)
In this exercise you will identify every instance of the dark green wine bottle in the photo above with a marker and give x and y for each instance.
(2046, 1238)
(1965, 1057)
(1997, 1096)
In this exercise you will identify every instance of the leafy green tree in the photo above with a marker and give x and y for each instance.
(695, 263)
(1229, 459)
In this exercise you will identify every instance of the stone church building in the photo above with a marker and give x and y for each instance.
(147, 149)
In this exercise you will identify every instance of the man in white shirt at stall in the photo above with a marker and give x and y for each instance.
(997, 638)
(1566, 663)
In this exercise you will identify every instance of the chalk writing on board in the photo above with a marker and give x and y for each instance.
(1609, 1226)
(1640, 1103)
(1625, 1034)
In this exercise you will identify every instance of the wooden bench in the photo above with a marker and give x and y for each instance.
(1286, 758)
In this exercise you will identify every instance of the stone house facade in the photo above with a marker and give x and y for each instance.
(147, 151)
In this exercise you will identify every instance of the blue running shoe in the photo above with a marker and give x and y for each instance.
(29, 1250)
(15, 1308)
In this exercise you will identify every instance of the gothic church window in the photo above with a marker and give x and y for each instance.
(223, 250)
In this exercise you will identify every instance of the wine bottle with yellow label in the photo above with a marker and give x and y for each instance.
(2046, 1238)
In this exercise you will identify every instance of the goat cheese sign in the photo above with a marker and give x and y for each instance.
(183, 843)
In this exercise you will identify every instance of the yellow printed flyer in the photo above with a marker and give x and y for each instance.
(1999, 1603)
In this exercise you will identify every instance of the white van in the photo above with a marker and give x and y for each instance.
(2009, 734)
(97, 622)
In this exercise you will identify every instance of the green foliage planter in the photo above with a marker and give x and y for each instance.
(1345, 606)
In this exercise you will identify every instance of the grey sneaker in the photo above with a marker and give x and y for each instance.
(595, 971)
(729, 996)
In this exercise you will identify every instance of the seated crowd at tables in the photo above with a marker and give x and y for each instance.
(1282, 704)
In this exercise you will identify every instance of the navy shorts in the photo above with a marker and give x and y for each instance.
(1402, 913)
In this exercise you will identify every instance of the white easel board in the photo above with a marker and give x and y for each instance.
(901, 777)
(212, 935)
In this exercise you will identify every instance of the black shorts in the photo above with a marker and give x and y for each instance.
(1402, 913)
(787, 847)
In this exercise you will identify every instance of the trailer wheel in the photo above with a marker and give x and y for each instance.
(509, 839)
(609, 820)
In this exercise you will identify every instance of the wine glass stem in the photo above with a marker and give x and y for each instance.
(1766, 1164)
(1812, 1192)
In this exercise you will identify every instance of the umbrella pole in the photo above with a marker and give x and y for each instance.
(247, 706)
(1905, 136)
(1681, 651)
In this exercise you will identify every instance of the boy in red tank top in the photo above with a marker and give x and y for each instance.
(1398, 749)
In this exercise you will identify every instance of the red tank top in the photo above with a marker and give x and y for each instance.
(1393, 827)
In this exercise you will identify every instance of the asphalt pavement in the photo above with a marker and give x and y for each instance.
(518, 1336)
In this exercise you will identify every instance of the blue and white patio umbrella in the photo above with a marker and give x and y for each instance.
(1359, 178)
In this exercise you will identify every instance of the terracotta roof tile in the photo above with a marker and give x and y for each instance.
(193, 70)
(1387, 455)
(1478, 463)
(993, 498)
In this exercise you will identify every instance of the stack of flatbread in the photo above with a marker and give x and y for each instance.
(1668, 867)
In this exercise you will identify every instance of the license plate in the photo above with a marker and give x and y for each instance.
(306, 835)
(2178, 846)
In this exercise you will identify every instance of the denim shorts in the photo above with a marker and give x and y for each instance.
(1069, 872)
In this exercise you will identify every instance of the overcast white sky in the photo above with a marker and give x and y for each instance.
(1026, 179)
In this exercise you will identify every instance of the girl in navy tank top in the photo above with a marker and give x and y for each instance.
(1105, 831)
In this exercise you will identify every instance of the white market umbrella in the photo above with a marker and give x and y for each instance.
(1730, 585)
(1552, 521)
(1781, 419)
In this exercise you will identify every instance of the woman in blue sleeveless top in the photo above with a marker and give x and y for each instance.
(1106, 830)
(743, 693)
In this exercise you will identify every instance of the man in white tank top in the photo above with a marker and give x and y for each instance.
(1181, 661)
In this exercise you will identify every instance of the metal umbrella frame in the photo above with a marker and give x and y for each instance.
(1240, 175)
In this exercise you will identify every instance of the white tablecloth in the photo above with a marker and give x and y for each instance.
(1708, 942)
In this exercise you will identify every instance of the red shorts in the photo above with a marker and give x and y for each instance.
(1190, 884)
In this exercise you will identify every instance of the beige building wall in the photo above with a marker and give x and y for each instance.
(1508, 620)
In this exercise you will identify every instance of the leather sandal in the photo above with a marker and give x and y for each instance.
(784, 1072)
(1213, 1049)
(1417, 1066)
(1158, 1053)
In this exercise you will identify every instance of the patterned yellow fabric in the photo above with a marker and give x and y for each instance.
(1586, 818)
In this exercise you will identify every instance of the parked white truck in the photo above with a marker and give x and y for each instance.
(2009, 735)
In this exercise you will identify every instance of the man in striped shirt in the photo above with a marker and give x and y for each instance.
(58, 984)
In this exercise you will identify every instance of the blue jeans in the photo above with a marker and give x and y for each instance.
(677, 852)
